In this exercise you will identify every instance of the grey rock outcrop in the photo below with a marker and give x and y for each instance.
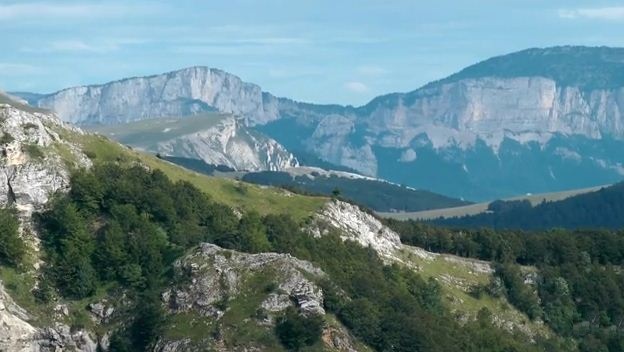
(217, 274)
(30, 171)
(212, 281)
(17, 334)
(357, 226)
(232, 144)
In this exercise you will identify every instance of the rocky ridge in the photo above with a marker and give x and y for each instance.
(29, 174)
(29, 169)
(231, 144)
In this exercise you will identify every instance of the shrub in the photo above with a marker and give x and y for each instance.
(296, 331)
(34, 151)
(6, 138)
(12, 247)
(29, 126)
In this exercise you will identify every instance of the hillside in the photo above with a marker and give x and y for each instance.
(479, 208)
(129, 258)
(374, 194)
(597, 209)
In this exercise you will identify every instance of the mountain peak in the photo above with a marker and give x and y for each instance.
(577, 66)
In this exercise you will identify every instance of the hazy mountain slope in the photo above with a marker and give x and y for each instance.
(535, 121)
(375, 194)
(486, 132)
(588, 68)
(478, 208)
(598, 209)
(372, 193)
(214, 138)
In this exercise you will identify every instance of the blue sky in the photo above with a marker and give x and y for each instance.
(318, 50)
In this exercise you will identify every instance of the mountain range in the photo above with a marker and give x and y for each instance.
(538, 120)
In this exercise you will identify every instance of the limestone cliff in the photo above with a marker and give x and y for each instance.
(528, 110)
(31, 170)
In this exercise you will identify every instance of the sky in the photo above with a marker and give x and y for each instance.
(321, 51)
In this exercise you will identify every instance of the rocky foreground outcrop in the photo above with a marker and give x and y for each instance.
(30, 168)
(215, 283)
(215, 274)
(18, 335)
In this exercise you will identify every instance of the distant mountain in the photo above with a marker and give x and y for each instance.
(599, 209)
(539, 120)
(585, 67)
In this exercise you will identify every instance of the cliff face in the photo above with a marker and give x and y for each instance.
(30, 171)
(178, 93)
(214, 138)
(490, 108)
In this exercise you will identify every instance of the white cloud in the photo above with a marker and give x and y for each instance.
(50, 10)
(597, 13)
(356, 87)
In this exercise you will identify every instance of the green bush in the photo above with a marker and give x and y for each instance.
(34, 151)
(296, 331)
(6, 138)
(29, 126)
(12, 247)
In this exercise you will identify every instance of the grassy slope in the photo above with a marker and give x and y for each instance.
(239, 195)
(457, 276)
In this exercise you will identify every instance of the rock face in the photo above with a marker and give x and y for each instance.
(30, 171)
(232, 144)
(178, 93)
(217, 274)
(533, 121)
(15, 333)
(360, 227)
(529, 110)
(214, 282)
